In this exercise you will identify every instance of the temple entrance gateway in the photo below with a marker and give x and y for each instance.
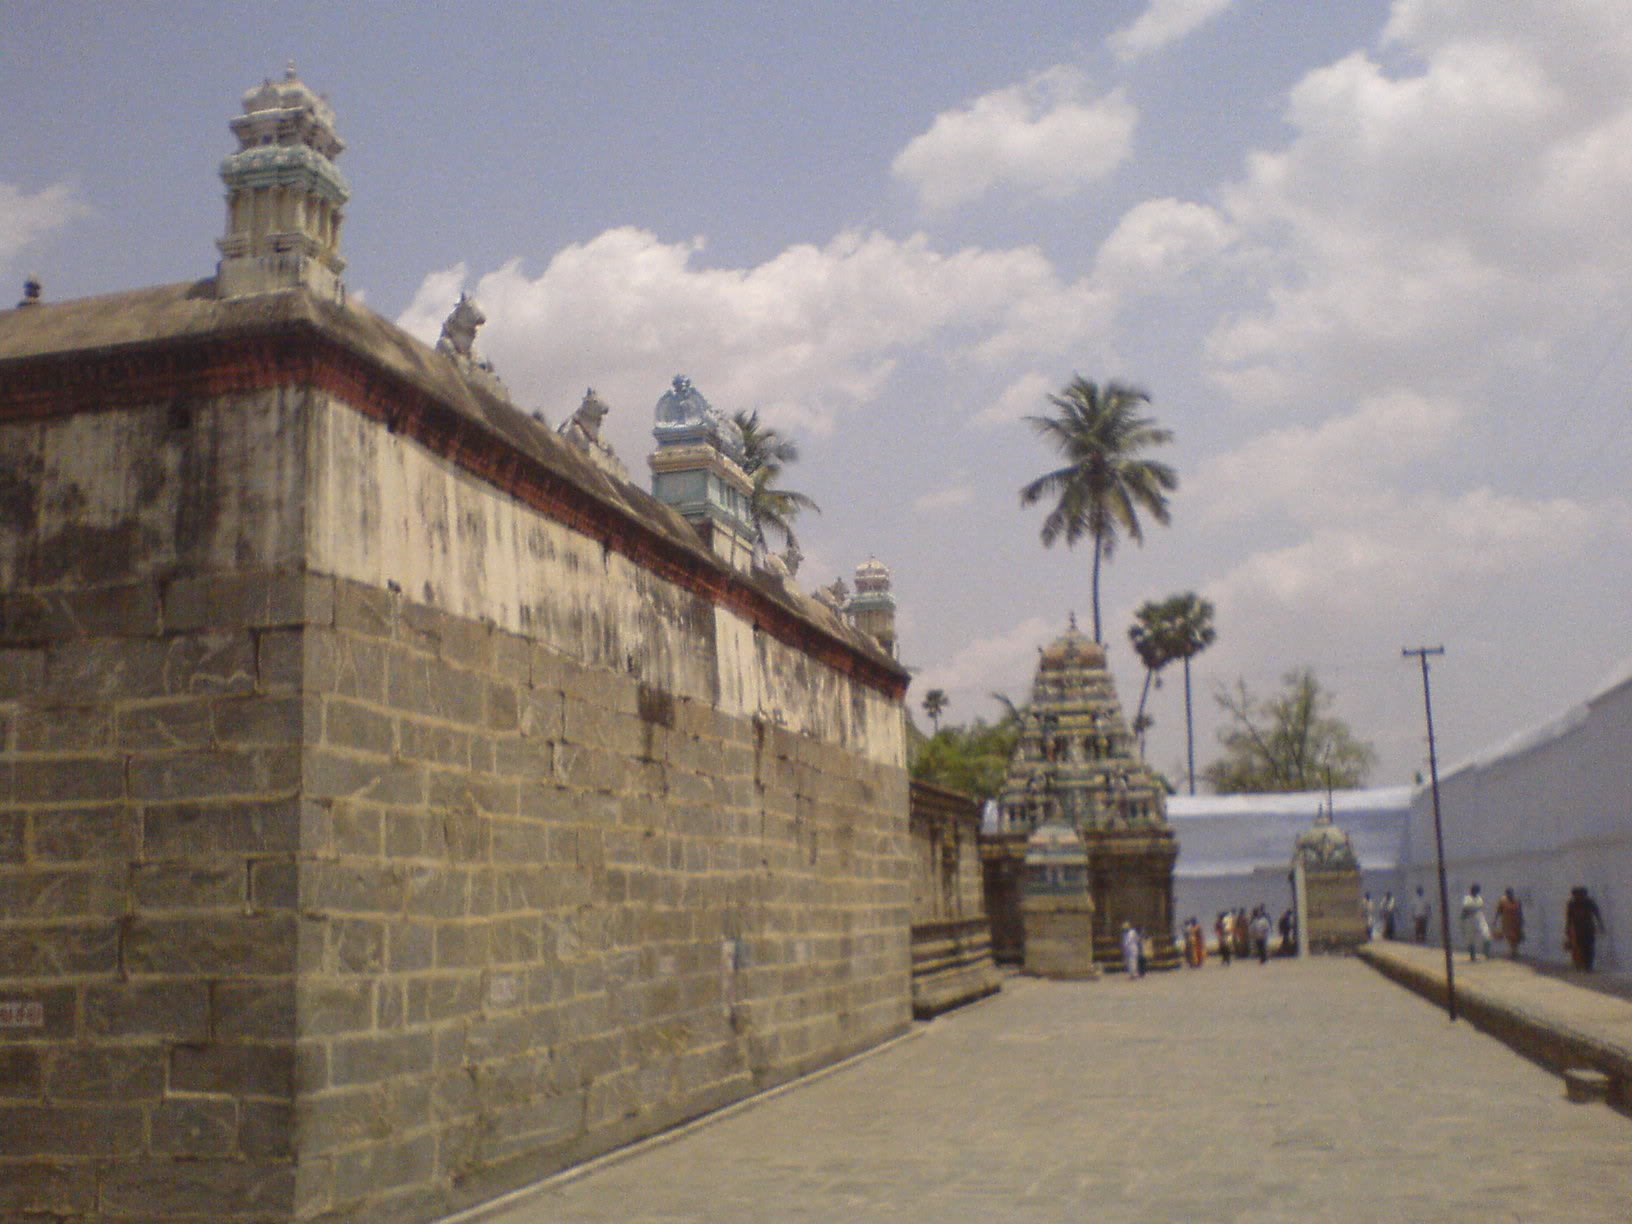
(1075, 764)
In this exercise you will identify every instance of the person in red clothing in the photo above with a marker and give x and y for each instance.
(1582, 922)
(1510, 922)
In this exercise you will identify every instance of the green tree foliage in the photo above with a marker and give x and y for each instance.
(765, 452)
(972, 759)
(1288, 742)
(935, 703)
(1105, 483)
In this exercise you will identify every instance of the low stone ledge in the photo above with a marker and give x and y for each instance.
(1582, 1085)
(1595, 1068)
(951, 965)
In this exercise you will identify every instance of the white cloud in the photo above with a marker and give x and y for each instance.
(1041, 137)
(989, 664)
(949, 498)
(805, 337)
(1458, 569)
(1410, 553)
(26, 219)
(1163, 22)
(1310, 473)
(1439, 222)
(1158, 243)
(1025, 396)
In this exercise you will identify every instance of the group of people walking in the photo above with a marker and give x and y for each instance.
(1237, 933)
(1583, 922)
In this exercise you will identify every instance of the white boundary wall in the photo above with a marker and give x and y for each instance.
(1237, 849)
(1544, 811)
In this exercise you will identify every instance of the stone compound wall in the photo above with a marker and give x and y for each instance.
(150, 817)
(946, 879)
(372, 842)
(951, 939)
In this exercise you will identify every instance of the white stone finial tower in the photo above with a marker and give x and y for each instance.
(285, 199)
(872, 607)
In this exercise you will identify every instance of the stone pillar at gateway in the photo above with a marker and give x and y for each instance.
(1075, 764)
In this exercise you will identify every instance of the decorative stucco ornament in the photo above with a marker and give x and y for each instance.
(683, 415)
(834, 596)
(458, 341)
(458, 337)
(583, 431)
(1325, 846)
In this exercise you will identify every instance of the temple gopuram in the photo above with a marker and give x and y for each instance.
(1076, 764)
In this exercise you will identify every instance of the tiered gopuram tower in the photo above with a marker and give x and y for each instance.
(1076, 764)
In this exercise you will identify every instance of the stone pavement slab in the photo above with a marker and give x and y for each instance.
(1562, 1022)
(1293, 1092)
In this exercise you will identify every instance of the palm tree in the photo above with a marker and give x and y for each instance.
(1191, 620)
(764, 453)
(935, 703)
(1104, 483)
(1013, 715)
(1151, 634)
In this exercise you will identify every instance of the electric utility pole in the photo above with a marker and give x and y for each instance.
(1422, 653)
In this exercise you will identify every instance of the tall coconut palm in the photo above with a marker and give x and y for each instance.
(1105, 483)
(764, 454)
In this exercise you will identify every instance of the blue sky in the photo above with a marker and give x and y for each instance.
(1369, 259)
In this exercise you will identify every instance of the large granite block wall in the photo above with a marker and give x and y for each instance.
(553, 909)
(151, 729)
(372, 842)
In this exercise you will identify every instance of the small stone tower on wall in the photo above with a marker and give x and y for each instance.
(285, 199)
(872, 607)
(697, 469)
(1075, 764)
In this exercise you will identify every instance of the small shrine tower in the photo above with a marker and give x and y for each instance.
(1076, 765)
(872, 607)
(1326, 872)
(697, 469)
(285, 199)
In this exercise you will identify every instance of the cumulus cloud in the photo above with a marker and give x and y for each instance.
(989, 664)
(807, 336)
(1312, 472)
(1439, 264)
(1163, 22)
(27, 219)
(949, 498)
(1043, 137)
(1459, 569)
(1023, 397)
(1409, 554)
(1158, 243)
(1440, 220)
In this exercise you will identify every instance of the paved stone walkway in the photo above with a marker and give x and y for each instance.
(1594, 1006)
(1312, 1091)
